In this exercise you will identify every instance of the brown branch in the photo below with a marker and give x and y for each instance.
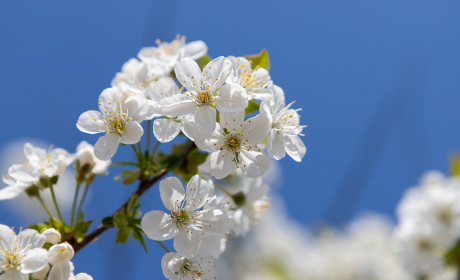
(145, 185)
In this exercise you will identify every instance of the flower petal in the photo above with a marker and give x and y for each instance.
(7, 235)
(87, 123)
(188, 243)
(275, 145)
(177, 105)
(295, 148)
(35, 260)
(132, 133)
(188, 128)
(163, 88)
(108, 98)
(13, 274)
(171, 263)
(83, 276)
(188, 73)
(61, 271)
(254, 163)
(232, 121)
(158, 225)
(205, 118)
(222, 164)
(25, 174)
(255, 130)
(171, 192)
(257, 191)
(136, 103)
(209, 142)
(165, 130)
(216, 72)
(232, 98)
(265, 110)
(195, 49)
(197, 193)
(30, 238)
(106, 146)
(212, 221)
(10, 192)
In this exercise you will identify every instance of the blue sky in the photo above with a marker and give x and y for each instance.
(378, 82)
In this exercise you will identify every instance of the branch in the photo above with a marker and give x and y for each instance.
(144, 186)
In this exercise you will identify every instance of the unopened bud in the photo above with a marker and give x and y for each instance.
(52, 236)
(60, 253)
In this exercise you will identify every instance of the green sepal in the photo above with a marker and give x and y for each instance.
(122, 235)
(139, 236)
(120, 220)
(262, 60)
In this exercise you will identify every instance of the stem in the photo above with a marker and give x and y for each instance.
(135, 150)
(149, 127)
(55, 201)
(144, 186)
(47, 209)
(162, 246)
(77, 188)
(155, 148)
(139, 147)
(83, 196)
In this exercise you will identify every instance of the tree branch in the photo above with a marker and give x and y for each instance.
(145, 185)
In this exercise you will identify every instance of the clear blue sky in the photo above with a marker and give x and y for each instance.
(379, 83)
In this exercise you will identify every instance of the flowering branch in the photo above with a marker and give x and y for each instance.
(145, 185)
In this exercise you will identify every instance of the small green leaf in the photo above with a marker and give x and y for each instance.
(262, 60)
(172, 162)
(107, 222)
(203, 61)
(122, 235)
(120, 220)
(138, 236)
(81, 228)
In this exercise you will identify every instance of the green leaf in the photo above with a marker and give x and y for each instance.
(262, 60)
(120, 220)
(203, 61)
(253, 106)
(122, 163)
(172, 162)
(138, 236)
(455, 165)
(122, 235)
(81, 228)
(107, 222)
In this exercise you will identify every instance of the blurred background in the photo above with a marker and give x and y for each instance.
(378, 82)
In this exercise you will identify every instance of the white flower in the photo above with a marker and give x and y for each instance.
(257, 82)
(40, 275)
(60, 253)
(24, 177)
(206, 92)
(22, 254)
(64, 271)
(85, 155)
(52, 236)
(167, 54)
(285, 127)
(120, 116)
(51, 163)
(177, 267)
(233, 145)
(190, 217)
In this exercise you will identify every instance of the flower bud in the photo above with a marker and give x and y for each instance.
(52, 236)
(40, 275)
(60, 253)
(83, 276)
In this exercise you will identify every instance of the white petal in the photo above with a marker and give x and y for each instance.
(275, 145)
(106, 146)
(254, 163)
(34, 261)
(188, 129)
(83, 276)
(60, 253)
(221, 164)
(261, 93)
(277, 100)
(132, 133)
(209, 142)
(13, 274)
(217, 70)
(158, 225)
(232, 121)
(188, 73)
(256, 193)
(138, 106)
(295, 148)
(255, 130)
(87, 124)
(166, 130)
(216, 245)
(40, 275)
(232, 98)
(212, 221)
(188, 243)
(265, 110)
(195, 49)
(171, 192)
(8, 236)
(10, 192)
(24, 174)
(163, 88)
(197, 193)
(61, 271)
(177, 105)
(31, 239)
(205, 118)
(171, 263)
(52, 236)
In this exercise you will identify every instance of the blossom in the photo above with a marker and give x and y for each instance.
(22, 254)
(177, 267)
(285, 127)
(24, 177)
(85, 155)
(190, 217)
(256, 82)
(64, 271)
(167, 54)
(60, 253)
(52, 236)
(119, 118)
(206, 92)
(233, 145)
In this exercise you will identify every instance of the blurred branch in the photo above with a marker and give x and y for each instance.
(145, 185)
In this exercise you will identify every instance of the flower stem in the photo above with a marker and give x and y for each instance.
(139, 147)
(155, 148)
(83, 196)
(47, 209)
(77, 188)
(162, 246)
(55, 201)
(149, 127)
